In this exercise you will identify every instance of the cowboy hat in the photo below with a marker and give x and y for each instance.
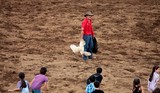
(88, 13)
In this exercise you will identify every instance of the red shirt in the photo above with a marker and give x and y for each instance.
(87, 27)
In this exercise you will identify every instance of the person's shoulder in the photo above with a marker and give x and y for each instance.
(91, 76)
(97, 74)
(85, 20)
(94, 74)
(156, 74)
(37, 75)
(19, 81)
(100, 91)
(41, 75)
(45, 77)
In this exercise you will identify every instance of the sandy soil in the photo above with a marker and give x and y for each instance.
(36, 33)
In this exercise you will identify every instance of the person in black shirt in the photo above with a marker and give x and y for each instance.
(157, 90)
(98, 76)
(137, 88)
(97, 90)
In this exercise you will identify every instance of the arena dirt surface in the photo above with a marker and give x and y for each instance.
(36, 33)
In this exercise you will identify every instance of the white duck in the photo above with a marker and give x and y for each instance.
(80, 48)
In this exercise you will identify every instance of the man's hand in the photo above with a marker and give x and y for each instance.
(10, 90)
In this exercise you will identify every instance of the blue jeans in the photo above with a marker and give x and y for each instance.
(88, 46)
(36, 91)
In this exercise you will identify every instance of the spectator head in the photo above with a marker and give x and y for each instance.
(92, 79)
(96, 84)
(43, 70)
(21, 75)
(136, 82)
(157, 90)
(23, 83)
(99, 70)
(155, 67)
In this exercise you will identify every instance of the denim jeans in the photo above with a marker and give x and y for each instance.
(88, 46)
(36, 91)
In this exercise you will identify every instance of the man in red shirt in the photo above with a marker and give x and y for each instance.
(87, 34)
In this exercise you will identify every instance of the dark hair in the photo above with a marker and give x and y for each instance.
(157, 90)
(96, 84)
(23, 83)
(136, 82)
(99, 70)
(43, 70)
(153, 70)
(92, 79)
(136, 85)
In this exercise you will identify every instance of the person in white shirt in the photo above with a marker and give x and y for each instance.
(153, 79)
(22, 85)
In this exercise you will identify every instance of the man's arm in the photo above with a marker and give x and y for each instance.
(93, 35)
(45, 87)
(101, 77)
(84, 22)
(31, 82)
(81, 35)
(16, 89)
(88, 80)
(142, 89)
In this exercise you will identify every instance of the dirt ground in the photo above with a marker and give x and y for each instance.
(36, 33)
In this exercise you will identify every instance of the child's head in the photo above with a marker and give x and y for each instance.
(136, 82)
(99, 70)
(96, 84)
(155, 68)
(21, 75)
(43, 70)
(23, 83)
(157, 90)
